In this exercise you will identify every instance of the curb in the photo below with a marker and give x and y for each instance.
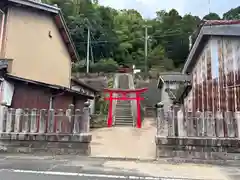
(174, 161)
(200, 161)
(123, 159)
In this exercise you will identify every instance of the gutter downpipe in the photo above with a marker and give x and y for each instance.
(2, 30)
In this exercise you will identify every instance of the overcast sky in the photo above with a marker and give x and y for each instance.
(196, 7)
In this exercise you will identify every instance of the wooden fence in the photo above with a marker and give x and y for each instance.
(177, 123)
(42, 121)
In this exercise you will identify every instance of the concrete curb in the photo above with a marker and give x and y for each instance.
(201, 161)
(174, 161)
(123, 159)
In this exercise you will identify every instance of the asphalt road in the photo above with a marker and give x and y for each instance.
(24, 167)
(10, 175)
(60, 168)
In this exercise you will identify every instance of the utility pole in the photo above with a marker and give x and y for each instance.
(92, 59)
(146, 50)
(88, 44)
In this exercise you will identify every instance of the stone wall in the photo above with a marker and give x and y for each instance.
(197, 135)
(152, 95)
(46, 144)
(198, 148)
(49, 132)
(98, 81)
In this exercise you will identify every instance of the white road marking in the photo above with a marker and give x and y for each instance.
(87, 175)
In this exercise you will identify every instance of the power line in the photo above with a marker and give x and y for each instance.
(98, 42)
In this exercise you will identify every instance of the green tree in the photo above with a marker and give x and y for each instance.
(117, 36)
(232, 14)
(212, 16)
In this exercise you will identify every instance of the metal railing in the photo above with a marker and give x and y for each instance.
(114, 103)
(132, 95)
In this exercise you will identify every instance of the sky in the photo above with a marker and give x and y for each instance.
(196, 7)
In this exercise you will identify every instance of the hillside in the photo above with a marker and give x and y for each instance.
(117, 37)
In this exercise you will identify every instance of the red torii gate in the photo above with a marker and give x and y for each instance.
(124, 97)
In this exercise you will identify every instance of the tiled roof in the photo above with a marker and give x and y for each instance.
(220, 22)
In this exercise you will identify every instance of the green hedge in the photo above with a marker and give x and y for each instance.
(106, 66)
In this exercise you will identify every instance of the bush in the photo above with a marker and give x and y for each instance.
(104, 65)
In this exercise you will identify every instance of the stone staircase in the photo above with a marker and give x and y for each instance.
(123, 112)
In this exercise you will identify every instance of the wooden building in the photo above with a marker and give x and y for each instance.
(214, 64)
(37, 53)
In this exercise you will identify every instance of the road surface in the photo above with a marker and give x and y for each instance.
(125, 142)
(26, 167)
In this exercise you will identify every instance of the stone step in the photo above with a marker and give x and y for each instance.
(123, 124)
(123, 115)
(124, 109)
(127, 107)
(123, 112)
(123, 101)
(123, 120)
(123, 104)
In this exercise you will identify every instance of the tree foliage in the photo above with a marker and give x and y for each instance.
(212, 16)
(117, 36)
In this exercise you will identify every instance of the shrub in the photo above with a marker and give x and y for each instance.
(104, 65)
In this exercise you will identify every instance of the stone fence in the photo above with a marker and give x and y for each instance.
(45, 131)
(200, 135)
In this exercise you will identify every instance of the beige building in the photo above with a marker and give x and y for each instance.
(35, 37)
(36, 58)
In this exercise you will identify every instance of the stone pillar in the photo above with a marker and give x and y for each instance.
(86, 118)
(190, 124)
(170, 120)
(210, 124)
(50, 120)
(43, 121)
(229, 121)
(219, 124)
(162, 126)
(182, 131)
(200, 124)
(176, 108)
(237, 117)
